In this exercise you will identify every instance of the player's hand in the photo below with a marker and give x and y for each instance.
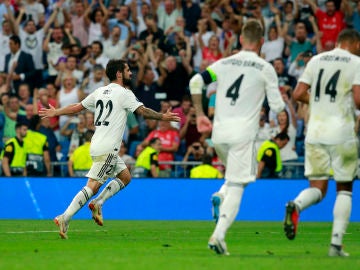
(170, 116)
(203, 124)
(44, 112)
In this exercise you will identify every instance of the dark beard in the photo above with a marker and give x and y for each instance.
(127, 82)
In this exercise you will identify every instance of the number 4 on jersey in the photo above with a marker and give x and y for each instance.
(233, 91)
(330, 88)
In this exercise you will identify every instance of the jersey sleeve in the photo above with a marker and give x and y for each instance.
(89, 102)
(308, 74)
(131, 103)
(273, 94)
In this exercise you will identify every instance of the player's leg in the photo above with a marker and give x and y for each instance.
(218, 197)
(317, 169)
(240, 170)
(345, 165)
(80, 199)
(121, 180)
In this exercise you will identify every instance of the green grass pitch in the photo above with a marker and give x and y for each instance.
(173, 245)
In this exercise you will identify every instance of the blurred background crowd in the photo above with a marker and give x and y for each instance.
(55, 52)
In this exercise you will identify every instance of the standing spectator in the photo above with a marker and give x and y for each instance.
(25, 97)
(95, 56)
(205, 170)
(122, 20)
(147, 164)
(34, 10)
(236, 121)
(6, 32)
(139, 17)
(191, 13)
(14, 156)
(69, 67)
(114, 47)
(12, 111)
(330, 21)
(170, 141)
(32, 41)
(269, 158)
(19, 65)
(167, 13)
(188, 132)
(334, 81)
(95, 80)
(80, 160)
(151, 30)
(78, 20)
(97, 18)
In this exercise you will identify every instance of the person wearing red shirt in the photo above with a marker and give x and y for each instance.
(330, 22)
(170, 141)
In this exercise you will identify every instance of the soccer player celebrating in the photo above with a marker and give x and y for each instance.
(333, 80)
(110, 105)
(244, 80)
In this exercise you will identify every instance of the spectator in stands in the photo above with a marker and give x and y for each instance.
(32, 40)
(264, 132)
(286, 82)
(147, 164)
(25, 97)
(330, 21)
(192, 13)
(44, 99)
(269, 158)
(189, 132)
(19, 65)
(297, 67)
(114, 47)
(80, 160)
(68, 94)
(89, 117)
(95, 56)
(37, 150)
(69, 67)
(95, 80)
(273, 48)
(352, 15)
(12, 110)
(149, 90)
(151, 29)
(205, 170)
(170, 141)
(33, 10)
(128, 160)
(98, 16)
(194, 152)
(139, 17)
(78, 19)
(300, 42)
(75, 130)
(122, 20)
(177, 80)
(5, 34)
(14, 155)
(183, 110)
(167, 13)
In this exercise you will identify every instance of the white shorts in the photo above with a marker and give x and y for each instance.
(105, 167)
(239, 160)
(323, 161)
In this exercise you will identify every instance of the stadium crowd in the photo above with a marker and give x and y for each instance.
(55, 52)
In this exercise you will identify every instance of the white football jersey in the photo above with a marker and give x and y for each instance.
(110, 104)
(331, 76)
(244, 79)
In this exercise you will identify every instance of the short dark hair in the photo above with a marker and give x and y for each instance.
(16, 39)
(113, 66)
(98, 43)
(20, 124)
(348, 35)
(88, 135)
(282, 136)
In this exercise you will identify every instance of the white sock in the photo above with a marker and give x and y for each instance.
(110, 190)
(308, 197)
(228, 210)
(78, 202)
(341, 212)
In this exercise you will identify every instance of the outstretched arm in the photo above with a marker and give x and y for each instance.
(68, 110)
(151, 114)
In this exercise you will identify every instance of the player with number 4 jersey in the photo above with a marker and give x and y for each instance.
(244, 80)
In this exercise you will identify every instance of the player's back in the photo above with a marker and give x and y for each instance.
(332, 112)
(243, 81)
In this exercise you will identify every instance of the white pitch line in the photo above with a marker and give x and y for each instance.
(25, 232)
